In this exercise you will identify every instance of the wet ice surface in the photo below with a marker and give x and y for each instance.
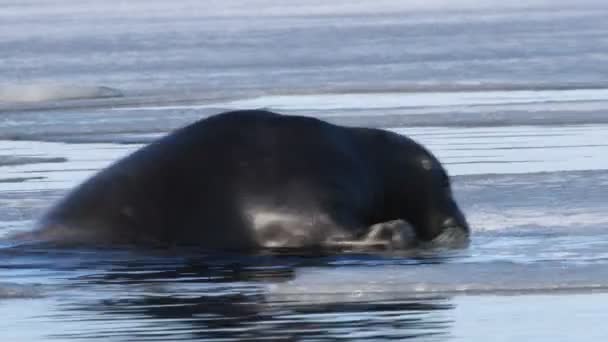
(534, 196)
(519, 121)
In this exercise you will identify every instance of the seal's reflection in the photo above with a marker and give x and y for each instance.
(231, 299)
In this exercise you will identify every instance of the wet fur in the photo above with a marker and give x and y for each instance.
(256, 179)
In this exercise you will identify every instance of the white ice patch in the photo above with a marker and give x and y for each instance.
(346, 284)
(54, 92)
(406, 99)
(516, 149)
(518, 218)
(431, 99)
(13, 291)
(80, 164)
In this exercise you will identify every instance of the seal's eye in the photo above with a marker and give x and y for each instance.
(426, 164)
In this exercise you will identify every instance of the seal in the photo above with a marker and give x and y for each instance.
(255, 179)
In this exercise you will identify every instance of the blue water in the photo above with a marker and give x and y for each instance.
(512, 98)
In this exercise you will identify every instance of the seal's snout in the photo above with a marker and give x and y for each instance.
(455, 232)
(453, 223)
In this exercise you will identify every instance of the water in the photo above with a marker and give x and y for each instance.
(511, 97)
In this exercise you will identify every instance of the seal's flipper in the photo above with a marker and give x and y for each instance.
(396, 234)
(390, 235)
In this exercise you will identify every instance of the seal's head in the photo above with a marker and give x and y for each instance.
(441, 221)
(419, 191)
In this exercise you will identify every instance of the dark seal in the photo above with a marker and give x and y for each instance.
(255, 179)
